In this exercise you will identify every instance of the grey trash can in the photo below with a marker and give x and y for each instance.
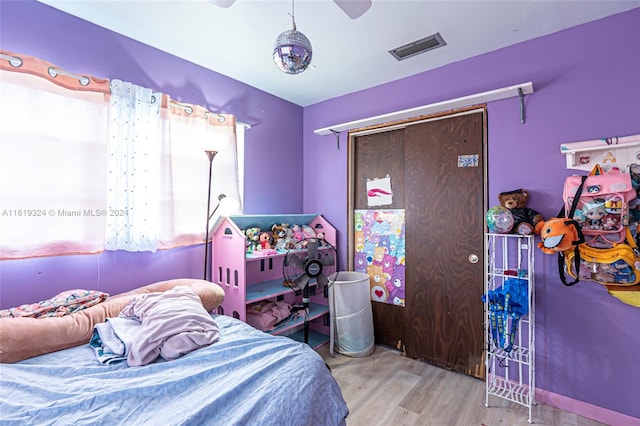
(351, 314)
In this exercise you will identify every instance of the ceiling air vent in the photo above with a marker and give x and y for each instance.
(419, 46)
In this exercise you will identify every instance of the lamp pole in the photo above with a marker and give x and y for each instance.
(211, 155)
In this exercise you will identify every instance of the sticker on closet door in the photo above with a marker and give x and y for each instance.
(468, 160)
(379, 192)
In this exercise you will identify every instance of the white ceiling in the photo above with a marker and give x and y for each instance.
(348, 55)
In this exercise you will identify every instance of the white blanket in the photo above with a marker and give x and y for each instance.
(111, 340)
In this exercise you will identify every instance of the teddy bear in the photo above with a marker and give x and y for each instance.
(525, 219)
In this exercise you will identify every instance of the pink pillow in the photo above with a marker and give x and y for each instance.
(266, 314)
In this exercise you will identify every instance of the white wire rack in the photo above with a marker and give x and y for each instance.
(511, 375)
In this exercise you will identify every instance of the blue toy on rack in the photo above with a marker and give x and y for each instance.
(507, 304)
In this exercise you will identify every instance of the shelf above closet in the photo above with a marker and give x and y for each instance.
(448, 105)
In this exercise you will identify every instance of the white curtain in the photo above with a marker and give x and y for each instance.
(158, 171)
(105, 166)
(191, 131)
(52, 168)
(133, 164)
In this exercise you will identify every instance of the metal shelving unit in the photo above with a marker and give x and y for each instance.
(511, 374)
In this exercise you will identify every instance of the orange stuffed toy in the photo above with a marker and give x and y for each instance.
(558, 235)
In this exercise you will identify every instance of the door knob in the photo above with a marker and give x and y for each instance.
(473, 258)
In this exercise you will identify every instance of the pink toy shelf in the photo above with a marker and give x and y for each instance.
(251, 277)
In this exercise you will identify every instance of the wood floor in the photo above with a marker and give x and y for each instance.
(387, 388)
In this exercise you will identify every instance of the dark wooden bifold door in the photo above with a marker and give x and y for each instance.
(437, 177)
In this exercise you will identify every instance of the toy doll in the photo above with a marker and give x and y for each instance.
(594, 211)
(611, 222)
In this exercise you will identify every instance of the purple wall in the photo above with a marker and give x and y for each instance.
(586, 85)
(73, 44)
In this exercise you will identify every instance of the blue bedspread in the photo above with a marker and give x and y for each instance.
(246, 378)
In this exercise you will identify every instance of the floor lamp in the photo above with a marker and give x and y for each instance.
(211, 155)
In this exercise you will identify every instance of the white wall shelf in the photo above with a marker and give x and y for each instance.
(608, 152)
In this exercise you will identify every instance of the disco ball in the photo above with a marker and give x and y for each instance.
(499, 220)
(292, 52)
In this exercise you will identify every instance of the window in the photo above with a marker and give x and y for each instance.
(57, 152)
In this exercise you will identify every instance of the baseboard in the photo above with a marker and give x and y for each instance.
(584, 409)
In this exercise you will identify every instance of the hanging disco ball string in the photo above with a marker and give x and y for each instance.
(292, 49)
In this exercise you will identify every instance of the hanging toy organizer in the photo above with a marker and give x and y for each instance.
(509, 319)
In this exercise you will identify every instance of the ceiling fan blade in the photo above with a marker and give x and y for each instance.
(301, 282)
(222, 3)
(354, 8)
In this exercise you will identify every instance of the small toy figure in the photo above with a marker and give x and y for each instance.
(579, 217)
(594, 211)
(611, 222)
(320, 237)
(613, 206)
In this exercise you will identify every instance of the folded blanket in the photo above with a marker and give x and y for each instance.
(173, 323)
(111, 340)
(60, 305)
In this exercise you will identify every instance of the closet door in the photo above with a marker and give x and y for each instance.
(437, 174)
(376, 156)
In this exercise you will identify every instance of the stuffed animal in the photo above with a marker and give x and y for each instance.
(558, 235)
(289, 240)
(266, 240)
(308, 232)
(297, 233)
(323, 241)
(253, 238)
(280, 236)
(525, 219)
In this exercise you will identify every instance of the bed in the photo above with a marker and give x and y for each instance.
(247, 377)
